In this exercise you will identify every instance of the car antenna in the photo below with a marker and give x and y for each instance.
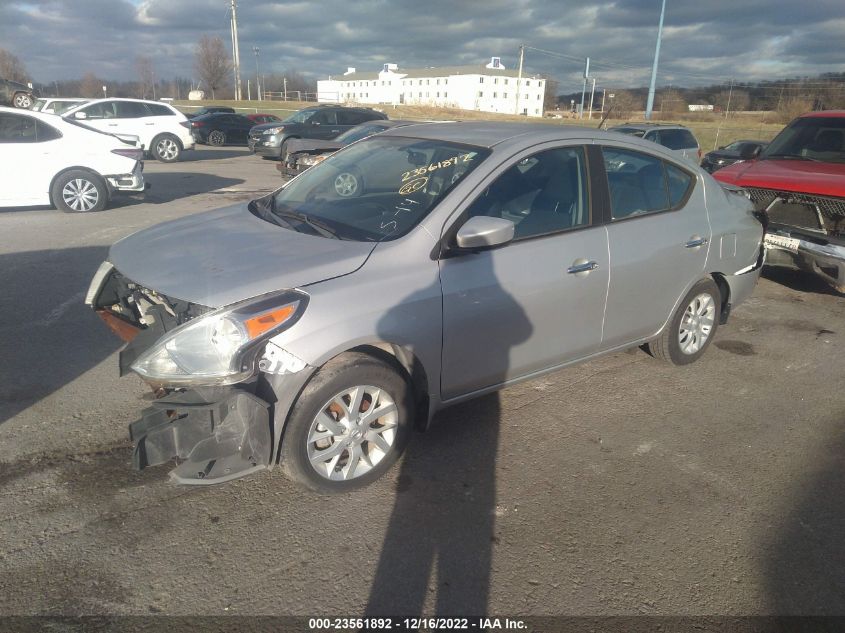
(607, 114)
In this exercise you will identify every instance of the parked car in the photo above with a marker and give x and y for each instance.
(262, 118)
(163, 130)
(305, 153)
(49, 161)
(210, 110)
(56, 105)
(730, 154)
(676, 137)
(317, 122)
(219, 128)
(797, 184)
(417, 268)
(14, 93)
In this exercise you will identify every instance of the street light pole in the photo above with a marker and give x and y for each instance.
(257, 74)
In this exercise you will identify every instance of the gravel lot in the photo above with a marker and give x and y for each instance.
(623, 486)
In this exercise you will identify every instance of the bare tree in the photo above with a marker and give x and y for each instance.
(90, 86)
(12, 68)
(146, 77)
(212, 62)
(550, 98)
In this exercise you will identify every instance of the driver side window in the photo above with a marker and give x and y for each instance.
(541, 194)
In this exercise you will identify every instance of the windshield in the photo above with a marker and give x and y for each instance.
(735, 146)
(375, 190)
(810, 138)
(299, 117)
(39, 103)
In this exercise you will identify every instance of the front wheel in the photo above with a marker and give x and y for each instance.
(79, 191)
(22, 100)
(166, 148)
(349, 425)
(693, 326)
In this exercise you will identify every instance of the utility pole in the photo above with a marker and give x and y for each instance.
(730, 94)
(603, 95)
(519, 76)
(236, 57)
(584, 88)
(592, 94)
(650, 102)
(285, 85)
(257, 75)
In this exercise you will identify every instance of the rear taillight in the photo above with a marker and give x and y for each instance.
(134, 153)
(699, 153)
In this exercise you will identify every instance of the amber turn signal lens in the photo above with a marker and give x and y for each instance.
(256, 326)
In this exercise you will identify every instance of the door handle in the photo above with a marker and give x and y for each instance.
(582, 267)
(335, 130)
(695, 242)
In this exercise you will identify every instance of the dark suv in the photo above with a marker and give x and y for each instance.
(210, 110)
(321, 122)
(16, 94)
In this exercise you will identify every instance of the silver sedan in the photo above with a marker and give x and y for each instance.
(316, 327)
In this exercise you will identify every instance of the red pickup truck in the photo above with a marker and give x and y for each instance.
(798, 187)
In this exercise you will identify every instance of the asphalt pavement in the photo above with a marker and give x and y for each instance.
(621, 486)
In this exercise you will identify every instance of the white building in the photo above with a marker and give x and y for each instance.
(488, 88)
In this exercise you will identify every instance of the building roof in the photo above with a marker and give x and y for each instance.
(443, 71)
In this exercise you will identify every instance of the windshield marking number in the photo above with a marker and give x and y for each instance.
(421, 171)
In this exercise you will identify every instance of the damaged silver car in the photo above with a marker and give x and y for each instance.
(316, 327)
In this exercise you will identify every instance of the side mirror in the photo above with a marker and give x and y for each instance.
(482, 232)
(80, 115)
(749, 152)
(314, 122)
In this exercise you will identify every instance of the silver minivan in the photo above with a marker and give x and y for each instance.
(677, 138)
(314, 328)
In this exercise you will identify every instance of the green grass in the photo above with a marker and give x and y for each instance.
(711, 130)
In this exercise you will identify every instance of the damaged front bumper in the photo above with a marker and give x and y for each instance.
(820, 255)
(217, 434)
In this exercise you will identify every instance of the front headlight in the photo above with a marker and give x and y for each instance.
(273, 130)
(310, 160)
(221, 347)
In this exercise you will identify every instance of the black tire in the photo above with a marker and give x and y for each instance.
(78, 188)
(22, 100)
(217, 138)
(283, 152)
(669, 346)
(166, 148)
(346, 372)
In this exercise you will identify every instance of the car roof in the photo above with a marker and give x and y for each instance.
(648, 126)
(824, 113)
(517, 135)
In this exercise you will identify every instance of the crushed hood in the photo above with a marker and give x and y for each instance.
(811, 177)
(227, 255)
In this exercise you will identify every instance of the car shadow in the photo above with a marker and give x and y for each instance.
(799, 280)
(48, 337)
(204, 153)
(439, 541)
(170, 186)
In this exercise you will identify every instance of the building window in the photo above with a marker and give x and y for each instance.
(480, 93)
(506, 81)
(426, 82)
(421, 82)
(495, 80)
(527, 83)
(481, 80)
(445, 81)
(538, 97)
(495, 95)
(526, 95)
(426, 94)
(438, 82)
(389, 83)
(420, 95)
(444, 95)
(438, 95)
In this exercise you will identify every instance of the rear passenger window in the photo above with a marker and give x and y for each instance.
(159, 110)
(637, 183)
(130, 110)
(325, 118)
(679, 183)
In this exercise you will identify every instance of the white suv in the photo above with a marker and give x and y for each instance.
(47, 160)
(157, 125)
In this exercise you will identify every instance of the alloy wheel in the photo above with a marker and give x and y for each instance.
(167, 149)
(697, 323)
(80, 194)
(352, 433)
(23, 100)
(346, 184)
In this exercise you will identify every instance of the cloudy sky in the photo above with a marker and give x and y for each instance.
(705, 41)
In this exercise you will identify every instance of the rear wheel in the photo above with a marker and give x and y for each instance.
(166, 148)
(22, 100)
(79, 191)
(349, 425)
(693, 326)
(216, 137)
